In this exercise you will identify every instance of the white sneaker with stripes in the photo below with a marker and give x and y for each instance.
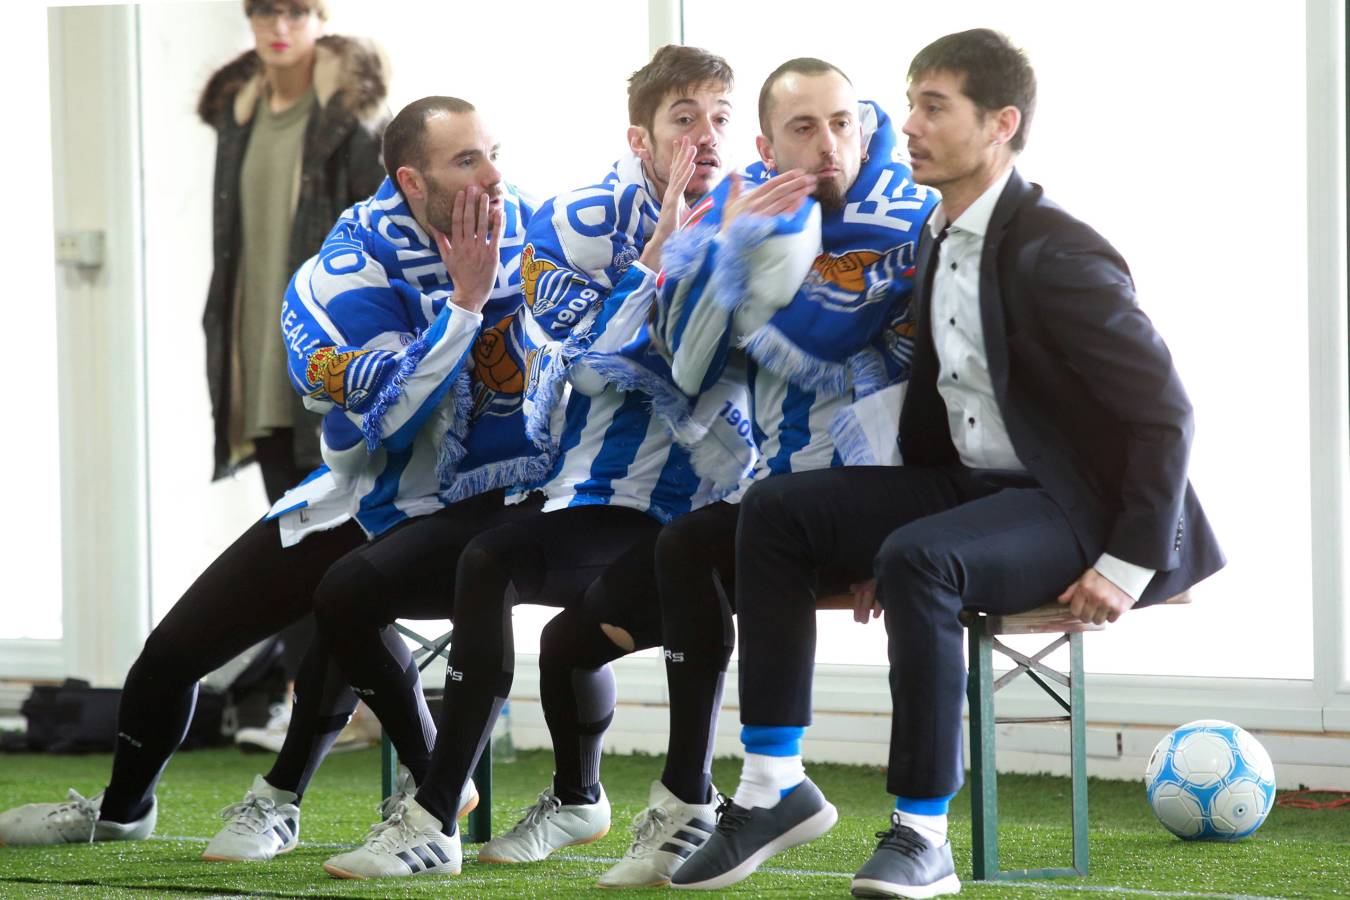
(547, 826)
(266, 822)
(72, 821)
(408, 842)
(665, 834)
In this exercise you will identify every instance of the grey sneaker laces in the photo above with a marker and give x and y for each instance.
(394, 831)
(902, 839)
(253, 811)
(81, 805)
(647, 826)
(536, 815)
(730, 817)
(402, 789)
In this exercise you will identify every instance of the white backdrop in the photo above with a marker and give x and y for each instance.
(1181, 138)
(1178, 131)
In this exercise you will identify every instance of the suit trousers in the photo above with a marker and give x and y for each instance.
(937, 540)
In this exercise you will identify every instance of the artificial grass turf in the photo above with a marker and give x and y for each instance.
(1297, 853)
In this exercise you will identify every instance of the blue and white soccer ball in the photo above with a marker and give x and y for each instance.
(1210, 780)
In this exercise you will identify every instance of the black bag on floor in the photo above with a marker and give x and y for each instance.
(73, 717)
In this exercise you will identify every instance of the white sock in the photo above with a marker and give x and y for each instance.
(765, 778)
(932, 829)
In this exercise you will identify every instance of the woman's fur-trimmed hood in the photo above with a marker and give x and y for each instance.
(352, 72)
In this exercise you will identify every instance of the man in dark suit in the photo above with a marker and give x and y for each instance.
(1045, 438)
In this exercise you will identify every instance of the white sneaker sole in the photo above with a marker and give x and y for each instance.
(352, 876)
(803, 832)
(214, 857)
(501, 860)
(873, 887)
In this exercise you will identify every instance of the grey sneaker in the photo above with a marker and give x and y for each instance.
(745, 838)
(74, 821)
(549, 826)
(266, 822)
(905, 865)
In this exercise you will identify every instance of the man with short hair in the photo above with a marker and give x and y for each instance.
(378, 329)
(589, 262)
(818, 141)
(1045, 437)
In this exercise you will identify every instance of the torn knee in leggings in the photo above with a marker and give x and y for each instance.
(621, 638)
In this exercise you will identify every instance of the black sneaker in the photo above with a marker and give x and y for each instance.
(744, 838)
(905, 865)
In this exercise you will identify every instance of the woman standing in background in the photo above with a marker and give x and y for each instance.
(298, 121)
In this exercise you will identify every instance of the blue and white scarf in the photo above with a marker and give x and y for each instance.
(365, 322)
(576, 254)
(820, 299)
(838, 331)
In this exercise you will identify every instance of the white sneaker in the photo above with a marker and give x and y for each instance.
(548, 826)
(266, 822)
(269, 737)
(408, 842)
(665, 834)
(405, 788)
(355, 735)
(74, 821)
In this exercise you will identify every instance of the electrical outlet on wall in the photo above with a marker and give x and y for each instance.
(79, 247)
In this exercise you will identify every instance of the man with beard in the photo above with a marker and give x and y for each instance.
(378, 329)
(1045, 436)
(589, 261)
(826, 145)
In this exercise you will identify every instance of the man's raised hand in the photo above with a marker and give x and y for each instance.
(781, 194)
(471, 250)
(673, 208)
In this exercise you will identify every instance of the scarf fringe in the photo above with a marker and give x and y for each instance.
(453, 449)
(523, 472)
(545, 398)
(867, 371)
(733, 270)
(768, 347)
(392, 392)
(850, 439)
(683, 253)
(667, 403)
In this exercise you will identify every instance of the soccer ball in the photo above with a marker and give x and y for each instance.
(1211, 781)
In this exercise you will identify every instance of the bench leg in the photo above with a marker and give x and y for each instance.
(480, 820)
(1078, 753)
(983, 768)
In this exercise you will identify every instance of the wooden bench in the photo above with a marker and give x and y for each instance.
(983, 636)
(1067, 690)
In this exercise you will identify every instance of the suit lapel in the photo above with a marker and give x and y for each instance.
(991, 295)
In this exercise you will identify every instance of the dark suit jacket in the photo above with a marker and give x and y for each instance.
(1086, 387)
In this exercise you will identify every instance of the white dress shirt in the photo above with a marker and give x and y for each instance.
(976, 424)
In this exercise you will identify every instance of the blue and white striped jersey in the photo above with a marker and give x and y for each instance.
(579, 268)
(374, 343)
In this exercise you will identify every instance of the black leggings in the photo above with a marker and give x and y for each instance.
(582, 559)
(408, 573)
(696, 570)
(251, 591)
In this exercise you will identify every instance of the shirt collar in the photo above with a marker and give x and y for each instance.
(975, 220)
